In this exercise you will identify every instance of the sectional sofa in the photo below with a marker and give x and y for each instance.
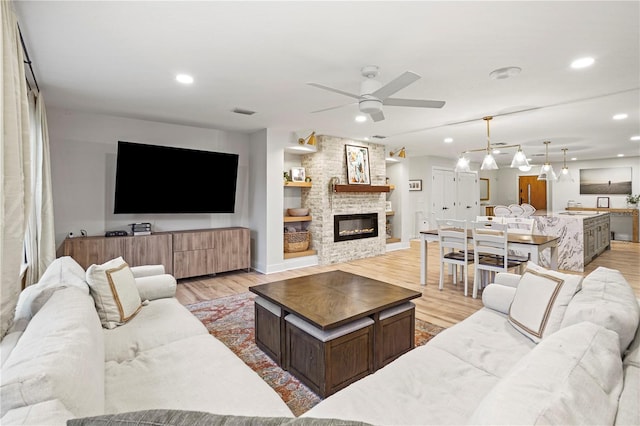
(546, 348)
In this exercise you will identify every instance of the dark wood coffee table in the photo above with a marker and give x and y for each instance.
(332, 301)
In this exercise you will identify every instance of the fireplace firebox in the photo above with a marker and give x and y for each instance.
(355, 226)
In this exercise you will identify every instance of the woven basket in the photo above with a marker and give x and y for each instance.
(296, 241)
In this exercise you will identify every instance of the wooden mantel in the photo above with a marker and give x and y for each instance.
(625, 212)
(361, 188)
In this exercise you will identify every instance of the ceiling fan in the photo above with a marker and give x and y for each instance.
(373, 94)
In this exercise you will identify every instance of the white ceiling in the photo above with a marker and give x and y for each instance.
(121, 58)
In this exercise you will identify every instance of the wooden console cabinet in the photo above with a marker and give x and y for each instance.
(183, 253)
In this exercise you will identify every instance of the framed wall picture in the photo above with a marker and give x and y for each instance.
(415, 185)
(612, 180)
(358, 172)
(297, 174)
(603, 202)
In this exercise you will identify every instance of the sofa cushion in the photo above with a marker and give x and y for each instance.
(7, 344)
(441, 382)
(114, 290)
(199, 418)
(608, 300)
(196, 373)
(161, 322)
(49, 413)
(62, 272)
(541, 300)
(156, 286)
(60, 355)
(571, 377)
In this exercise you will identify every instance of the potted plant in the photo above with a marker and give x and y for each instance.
(632, 200)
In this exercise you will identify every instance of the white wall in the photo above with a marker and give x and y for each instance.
(83, 160)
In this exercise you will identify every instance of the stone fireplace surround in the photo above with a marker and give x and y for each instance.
(328, 162)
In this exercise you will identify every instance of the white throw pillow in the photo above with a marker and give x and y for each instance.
(541, 300)
(114, 291)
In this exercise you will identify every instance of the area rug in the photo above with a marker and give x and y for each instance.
(231, 320)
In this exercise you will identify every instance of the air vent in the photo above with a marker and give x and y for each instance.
(537, 155)
(378, 137)
(499, 144)
(243, 111)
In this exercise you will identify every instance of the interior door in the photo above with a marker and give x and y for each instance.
(468, 196)
(443, 193)
(533, 191)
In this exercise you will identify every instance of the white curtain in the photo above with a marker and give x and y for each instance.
(40, 246)
(15, 168)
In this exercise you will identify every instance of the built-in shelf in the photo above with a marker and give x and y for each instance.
(288, 219)
(298, 184)
(361, 188)
(392, 187)
(393, 240)
(299, 254)
(390, 213)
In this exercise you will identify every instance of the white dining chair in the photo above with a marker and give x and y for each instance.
(498, 219)
(490, 252)
(501, 211)
(528, 209)
(516, 210)
(520, 225)
(452, 237)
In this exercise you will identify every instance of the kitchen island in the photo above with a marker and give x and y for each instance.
(583, 236)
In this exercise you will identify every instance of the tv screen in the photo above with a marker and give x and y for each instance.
(161, 179)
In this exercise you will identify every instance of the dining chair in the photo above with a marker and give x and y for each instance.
(501, 211)
(516, 210)
(498, 219)
(520, 225)
(528, 209)
(452, 237)
(490, 252)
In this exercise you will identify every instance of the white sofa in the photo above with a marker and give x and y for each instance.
(59, 363)
(485, 371)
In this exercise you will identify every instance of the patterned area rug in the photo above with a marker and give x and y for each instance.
(231, 320)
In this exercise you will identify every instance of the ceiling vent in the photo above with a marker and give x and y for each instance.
(378, 137)
(243, 111)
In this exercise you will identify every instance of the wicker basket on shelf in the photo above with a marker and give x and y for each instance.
(296, 241)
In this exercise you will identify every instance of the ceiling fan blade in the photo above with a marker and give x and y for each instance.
(395, 85)
(334, 107)
(418, 103)
(377, 116)
(331, 89)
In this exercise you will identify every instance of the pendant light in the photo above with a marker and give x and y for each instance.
(565, 176)
(546, 171)
(489, 163)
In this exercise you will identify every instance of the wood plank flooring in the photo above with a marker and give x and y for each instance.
(402, 267)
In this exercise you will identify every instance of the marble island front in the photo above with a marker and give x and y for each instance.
(583, 236)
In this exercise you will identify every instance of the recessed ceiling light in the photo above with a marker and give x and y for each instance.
(366, 139)
(620, 116)
(582, 63)
(496, 151)
(620, 155)
(634, 138)
(361, 118)
(184, 78)
(574, 158)
(448, 140)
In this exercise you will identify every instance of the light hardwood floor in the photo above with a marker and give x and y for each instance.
(402, 267)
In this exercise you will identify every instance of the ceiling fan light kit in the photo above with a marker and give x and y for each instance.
(373, 95)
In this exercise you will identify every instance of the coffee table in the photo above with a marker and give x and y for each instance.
(328, 304)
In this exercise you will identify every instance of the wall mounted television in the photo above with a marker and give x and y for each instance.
(162, 179)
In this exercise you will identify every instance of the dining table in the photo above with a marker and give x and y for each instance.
(531, 244)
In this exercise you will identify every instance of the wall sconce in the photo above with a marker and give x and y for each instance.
(310, 140)
(489, 162)
(394, 155)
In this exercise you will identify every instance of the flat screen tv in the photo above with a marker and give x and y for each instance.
(161, 179)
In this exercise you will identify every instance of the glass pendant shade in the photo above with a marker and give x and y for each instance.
(519, 159)
(547, 173)
(565, 176)
(489, 163)
(462, 165)
(525, 168)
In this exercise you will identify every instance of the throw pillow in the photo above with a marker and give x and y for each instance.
(114, 291)
(557, 308)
